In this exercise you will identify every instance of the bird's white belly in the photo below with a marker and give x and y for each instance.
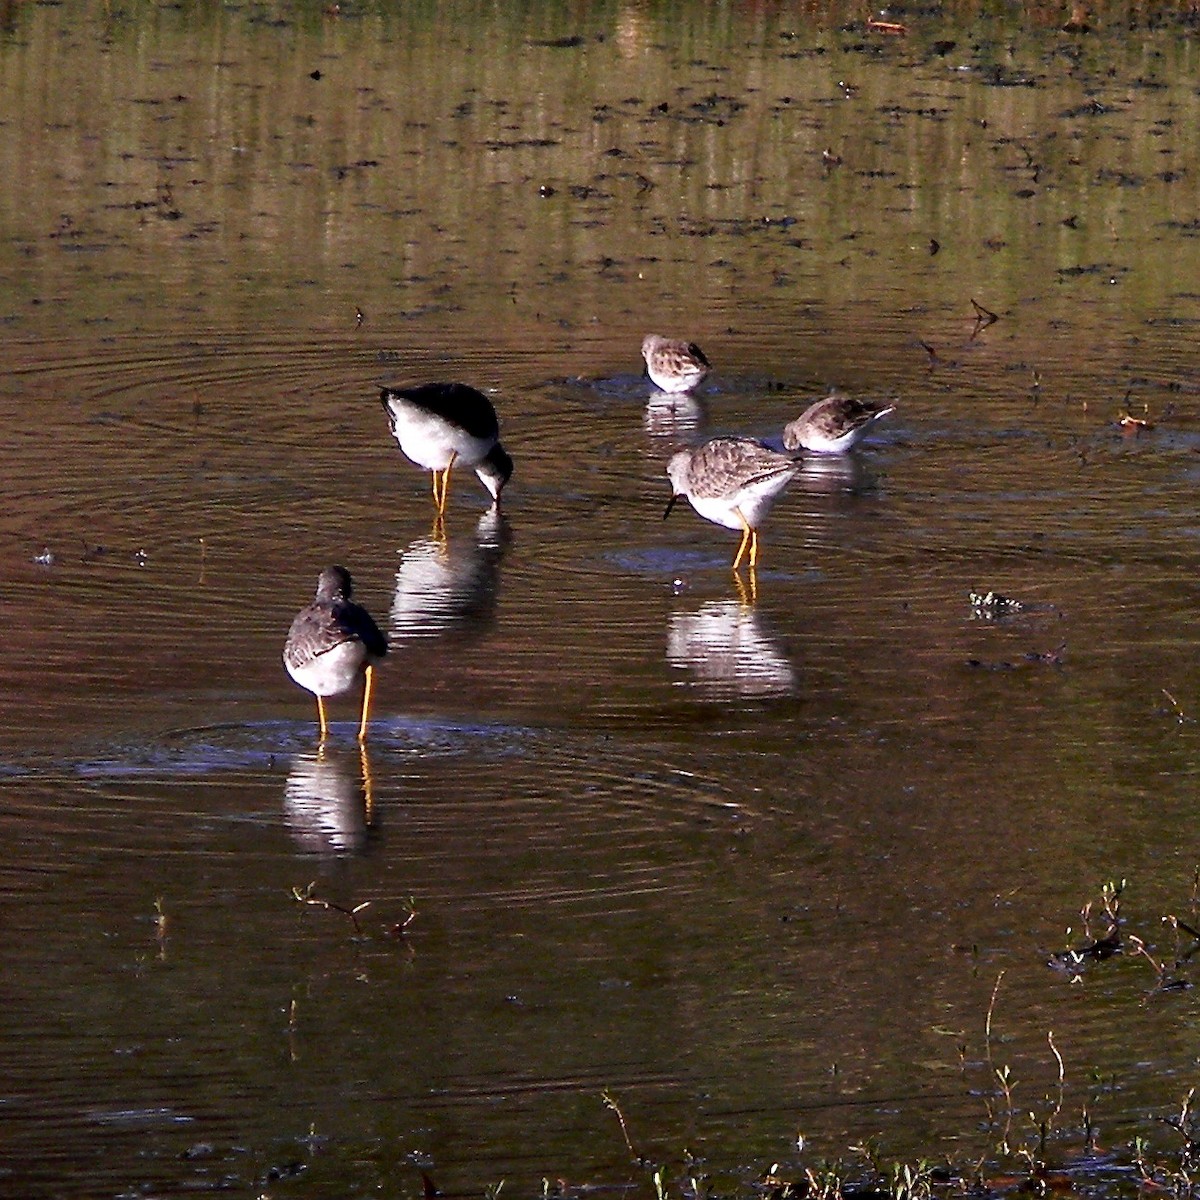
(333, 672)
(683, 382)
(825, 443)
(432, 443)
(753, 501)
(719, 511)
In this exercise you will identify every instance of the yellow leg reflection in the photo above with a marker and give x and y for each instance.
(438, 532)
(368, 784)
(747, 596)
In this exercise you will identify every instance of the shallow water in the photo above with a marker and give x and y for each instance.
(746, 857)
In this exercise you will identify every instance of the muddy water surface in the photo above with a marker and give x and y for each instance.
(747, 858)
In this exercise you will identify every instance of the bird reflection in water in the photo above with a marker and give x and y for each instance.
(727, 650)
(444, 584)
(831, 474)
(329, 801)
(673, 415)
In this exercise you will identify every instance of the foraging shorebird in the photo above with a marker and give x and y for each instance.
(331, 643)
(732, 481)
(440, 424)
(833, 425)
(674, 365)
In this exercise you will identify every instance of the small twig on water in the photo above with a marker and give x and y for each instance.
(1191, 931)
(1062, 1075)
(1005, 1079)
(1139, 947)
(160, 927)
(1110, 895)
(305, 896)
(1128, 422)
(400, 928)
(1062, 1071)
(1180, 715)
(1165, 982)
(293, 1028)
(983, 316)
(1002, 1074)
(1176, 923)
(609, 1102)
(987, 1027)
(1183, 1123)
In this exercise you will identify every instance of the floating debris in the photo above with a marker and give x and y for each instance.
(47, 558)
(1093, 951)
(1131, 426)
(993, 604)
(983, 316)
(1050, 658)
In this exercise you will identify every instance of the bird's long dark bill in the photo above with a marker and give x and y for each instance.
(670, 505)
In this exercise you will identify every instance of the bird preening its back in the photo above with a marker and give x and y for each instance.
(440, 424)
(332, 642)
(833, 424)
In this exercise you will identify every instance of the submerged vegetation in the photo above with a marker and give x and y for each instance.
(1031, 1139)
(1030, 1142)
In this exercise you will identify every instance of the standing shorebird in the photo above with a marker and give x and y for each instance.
(331, 643)
(833, 425)
(674, 365)
(440, 424)
(732, 481)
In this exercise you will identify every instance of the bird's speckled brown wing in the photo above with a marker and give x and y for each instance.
(724, 464)
(322, 627)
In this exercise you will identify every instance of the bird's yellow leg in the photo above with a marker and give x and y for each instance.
(441, 486)
(368, 679)
(321, 718)
(746, 540)
(446, 482)
(753, 548)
